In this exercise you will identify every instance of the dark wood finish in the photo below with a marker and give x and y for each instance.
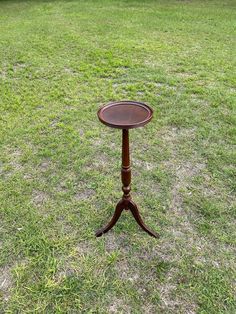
(116, 216)
(126, 115)
(125, 170)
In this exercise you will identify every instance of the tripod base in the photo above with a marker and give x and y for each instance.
(127, 204)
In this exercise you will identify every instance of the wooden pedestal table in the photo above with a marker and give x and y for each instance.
(125, 115)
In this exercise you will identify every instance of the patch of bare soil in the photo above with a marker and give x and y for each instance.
(5, 282)
(18, 66)
(39, 197)
(44, 166)
(118, 306)
(3, 74)
(84, 194)
(15, 159)
(114, 241)
(143, 164)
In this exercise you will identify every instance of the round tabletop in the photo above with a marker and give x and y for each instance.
(125, 114)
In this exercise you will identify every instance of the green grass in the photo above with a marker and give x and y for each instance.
(60, 167)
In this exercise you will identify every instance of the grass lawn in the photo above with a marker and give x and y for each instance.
(60, 167)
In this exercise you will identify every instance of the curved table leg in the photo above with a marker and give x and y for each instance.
(118, 211)
(134, 210)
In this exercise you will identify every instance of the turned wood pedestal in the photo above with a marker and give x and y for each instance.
(125, 115)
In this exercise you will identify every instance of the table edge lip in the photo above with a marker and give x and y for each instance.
(128, 126)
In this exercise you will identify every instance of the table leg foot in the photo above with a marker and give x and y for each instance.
(126, 204)
(116, 216)
(135, 212)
